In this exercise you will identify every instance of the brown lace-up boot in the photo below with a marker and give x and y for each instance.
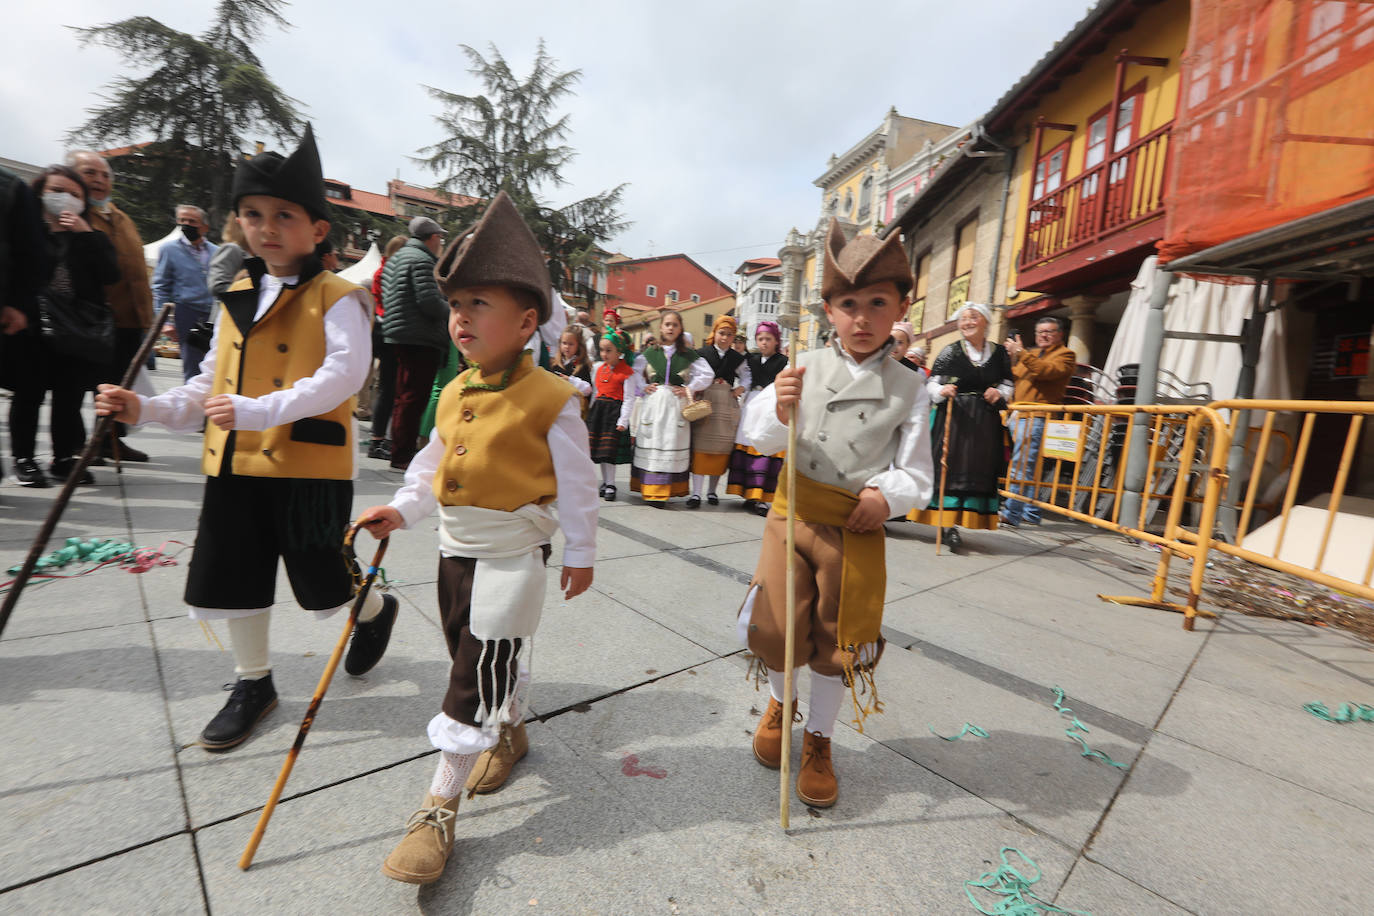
(768, 734)
(492, 769)
(816, 784)
(421, 855)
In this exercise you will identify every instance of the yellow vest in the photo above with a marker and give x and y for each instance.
(282, 348)
(496, 438)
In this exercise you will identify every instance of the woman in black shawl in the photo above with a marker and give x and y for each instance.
(971, 380)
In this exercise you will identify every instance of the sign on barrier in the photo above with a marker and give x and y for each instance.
(1063, 439)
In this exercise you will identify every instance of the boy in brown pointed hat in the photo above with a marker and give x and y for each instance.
(290, 348)
(508, 441)
(863, 456)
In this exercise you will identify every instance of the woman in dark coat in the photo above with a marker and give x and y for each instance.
(84, 262)
(971, 381)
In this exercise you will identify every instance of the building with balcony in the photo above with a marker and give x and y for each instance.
(758, 294)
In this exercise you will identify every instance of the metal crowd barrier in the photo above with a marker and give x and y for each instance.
(1079, 474)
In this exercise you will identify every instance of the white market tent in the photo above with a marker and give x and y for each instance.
(151, 249)
(361, 273)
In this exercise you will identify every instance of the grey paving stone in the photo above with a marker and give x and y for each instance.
(1094, 889)
(106, 597)
(153, 879)
(85, 743)
(1230, 839)
(1326, 757)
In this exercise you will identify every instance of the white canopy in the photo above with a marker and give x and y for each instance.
(361, 273)
(151, 249)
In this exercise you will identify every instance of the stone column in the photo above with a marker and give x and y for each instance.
(1082, 316)
(793, 257)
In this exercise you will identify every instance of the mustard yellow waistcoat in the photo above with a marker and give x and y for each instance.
(285, 346)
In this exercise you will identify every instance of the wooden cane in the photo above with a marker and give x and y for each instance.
(102, 429)
(790, 629)
(944, 472)
(247, 859)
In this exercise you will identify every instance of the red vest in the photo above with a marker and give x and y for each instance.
(610, 383)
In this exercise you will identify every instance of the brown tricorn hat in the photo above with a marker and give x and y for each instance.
(863, 262)
(500, 250)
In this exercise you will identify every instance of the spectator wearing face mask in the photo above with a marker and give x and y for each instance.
(182, 277)
(82, 263)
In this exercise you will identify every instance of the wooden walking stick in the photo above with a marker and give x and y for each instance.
(251, 850)
(59, 505)
(790, 629)
(944, 472)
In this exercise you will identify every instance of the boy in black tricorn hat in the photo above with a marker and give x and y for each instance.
(275, 396)
(508, 440)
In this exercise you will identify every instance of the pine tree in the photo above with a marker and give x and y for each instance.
(205, 97)
(511, 139)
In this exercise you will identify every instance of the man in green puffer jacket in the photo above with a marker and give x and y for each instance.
(415, 323)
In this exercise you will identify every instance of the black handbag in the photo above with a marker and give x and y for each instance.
(77, 328)
(200, 335)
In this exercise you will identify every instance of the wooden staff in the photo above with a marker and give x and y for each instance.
(944, 472)
(247, 859)
(102, 429)
(790, 629)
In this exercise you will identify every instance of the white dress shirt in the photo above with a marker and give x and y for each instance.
(696, 377)
(744, 378)
(572, 468)
(906, 484)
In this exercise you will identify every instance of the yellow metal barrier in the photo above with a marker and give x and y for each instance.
(1188, 455)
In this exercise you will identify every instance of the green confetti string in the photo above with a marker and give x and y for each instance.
(968, 729)
(1013, 884)
(78, 550)
(1346, 712)
(1077, 729)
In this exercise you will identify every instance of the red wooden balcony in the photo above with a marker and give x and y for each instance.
(1108, 210)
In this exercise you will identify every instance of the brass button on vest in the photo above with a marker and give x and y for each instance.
(238, 345)
(276, 382)
(267, 452)
(461, 450)
(451, 485)
(281, 348)
(468, 414)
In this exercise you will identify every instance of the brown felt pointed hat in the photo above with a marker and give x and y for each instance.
(500, 250)
(863, 262)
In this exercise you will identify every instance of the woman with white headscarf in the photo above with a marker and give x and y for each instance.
(971, 381)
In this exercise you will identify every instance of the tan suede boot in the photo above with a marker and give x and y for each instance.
(492, 769)
(816, 784)
(421, 855)
(768, 734)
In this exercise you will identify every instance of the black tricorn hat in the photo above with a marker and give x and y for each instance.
(297, 177)
(500, 250)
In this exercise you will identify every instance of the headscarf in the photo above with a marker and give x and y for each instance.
(771, 327)
(610, 313)
(725, 321)
(619, 341)
(906, 328)
(980, 308)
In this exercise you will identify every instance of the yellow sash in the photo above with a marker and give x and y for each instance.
(863, 577)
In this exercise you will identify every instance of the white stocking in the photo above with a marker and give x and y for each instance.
(607, 473)
(372, 605)
(775, 685)
(248, 644)
(451, 774)
(827, 693)
(697, 481)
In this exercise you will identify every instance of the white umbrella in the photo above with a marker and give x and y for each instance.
(361, 273)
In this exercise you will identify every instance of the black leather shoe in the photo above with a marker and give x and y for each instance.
(370, 639)
(694, 502)
(380, 448)
(953, 540)
(29, 474)
(245, 708)
(61, 469)
(762, 509)
(608, 493)
(126, 452)
(713, 499)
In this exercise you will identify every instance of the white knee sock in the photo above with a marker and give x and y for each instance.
(697, 481)
(827, 693)
(775, 685)
(607, 473)
(372, 605)
(248, 644)
(451, 773)
(715, 482)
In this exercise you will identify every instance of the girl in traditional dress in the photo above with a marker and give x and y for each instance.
(616, 385)
(571, 363)
(971, 381)
(663, 437)
(713, 436)
(754, 476)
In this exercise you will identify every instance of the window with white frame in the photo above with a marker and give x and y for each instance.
(695, 297)
(651, 291)
(672, 295)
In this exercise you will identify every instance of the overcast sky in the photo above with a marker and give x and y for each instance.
(719, 115)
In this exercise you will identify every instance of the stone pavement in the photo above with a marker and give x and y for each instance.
(640, 794)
